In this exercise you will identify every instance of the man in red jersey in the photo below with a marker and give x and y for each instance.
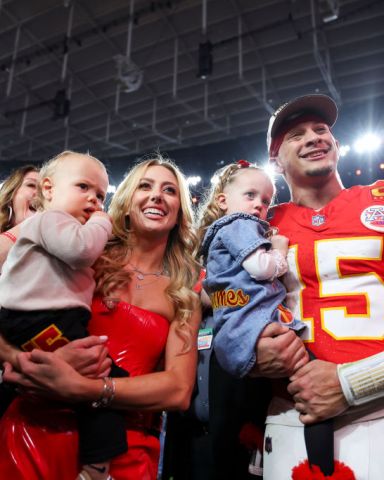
(335, 284)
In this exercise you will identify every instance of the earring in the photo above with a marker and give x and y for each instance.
(10, 213)
(111, 302)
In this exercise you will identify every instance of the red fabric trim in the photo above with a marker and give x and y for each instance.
(10, 236)
(252, 437)
(304, 471)
(199, 284)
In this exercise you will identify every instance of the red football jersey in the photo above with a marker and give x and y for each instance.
(335, 281)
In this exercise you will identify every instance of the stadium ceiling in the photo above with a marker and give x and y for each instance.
(120, 77)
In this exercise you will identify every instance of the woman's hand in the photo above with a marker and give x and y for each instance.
(88, 356)
(8, 353)
(317, 392)
(279, 352)
(45, 373)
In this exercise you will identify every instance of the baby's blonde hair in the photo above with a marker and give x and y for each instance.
(50, 168)
(209, 210)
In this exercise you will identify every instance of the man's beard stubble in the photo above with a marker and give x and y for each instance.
(320, 172)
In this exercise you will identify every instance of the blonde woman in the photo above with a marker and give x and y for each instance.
(146, 306)
(17, 194)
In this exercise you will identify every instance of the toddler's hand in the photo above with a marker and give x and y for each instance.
(101, 213)
(279, 242)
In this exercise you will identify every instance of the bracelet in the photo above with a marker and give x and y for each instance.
(107, 394)
(362, 381)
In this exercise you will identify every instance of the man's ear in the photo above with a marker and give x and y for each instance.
(276, 165)
(47, 188)
(337, 146)
(221, 200)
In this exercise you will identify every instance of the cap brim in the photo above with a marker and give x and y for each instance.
(318, 104)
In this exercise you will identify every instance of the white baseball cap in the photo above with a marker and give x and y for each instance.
(315, 104)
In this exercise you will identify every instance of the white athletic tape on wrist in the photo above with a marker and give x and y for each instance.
(362, 381)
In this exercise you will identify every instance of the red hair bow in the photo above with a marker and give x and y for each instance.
(243, 163)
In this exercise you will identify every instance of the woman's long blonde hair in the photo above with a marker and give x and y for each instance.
(179, 259)
(7, 193)
(209, 210)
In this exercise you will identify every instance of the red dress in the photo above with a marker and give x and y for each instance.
(39, 440)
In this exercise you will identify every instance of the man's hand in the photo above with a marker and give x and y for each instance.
(279, 242)
(279, 352)
(317, 392)
(89, 356)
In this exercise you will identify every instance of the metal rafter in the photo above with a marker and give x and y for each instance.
(57, 61)
(323, 64)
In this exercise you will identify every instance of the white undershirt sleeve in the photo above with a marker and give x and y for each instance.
(265, 265)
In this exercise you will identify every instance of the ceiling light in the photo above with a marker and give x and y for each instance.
(344, 149)
(129, 75)
(367, 143)
(334, 7)
(194, 180)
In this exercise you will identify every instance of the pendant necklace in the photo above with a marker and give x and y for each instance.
(140, 276)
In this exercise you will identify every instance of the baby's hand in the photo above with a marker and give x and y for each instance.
(100, 213)
(279, 242)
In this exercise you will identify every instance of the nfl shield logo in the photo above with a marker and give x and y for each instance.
(318, 220)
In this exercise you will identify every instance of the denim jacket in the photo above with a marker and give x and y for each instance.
(242, 306)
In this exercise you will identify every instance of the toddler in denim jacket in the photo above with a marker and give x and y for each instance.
(243, 263)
